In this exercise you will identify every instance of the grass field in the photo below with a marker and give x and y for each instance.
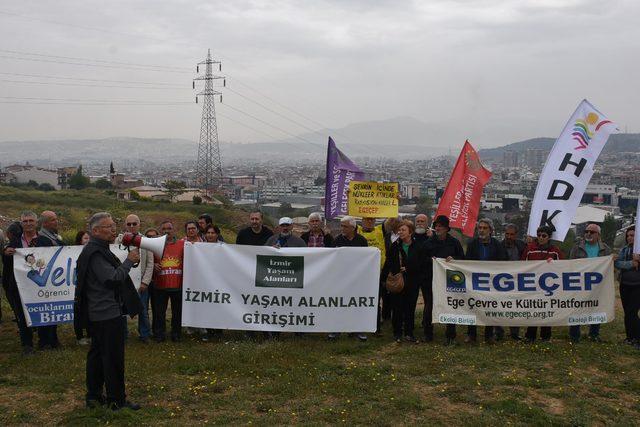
(310, 380)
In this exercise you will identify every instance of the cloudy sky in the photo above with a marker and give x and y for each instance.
(489, 70)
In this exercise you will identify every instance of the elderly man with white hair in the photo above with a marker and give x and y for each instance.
(316, 237)
(590, 247)
(349, 237)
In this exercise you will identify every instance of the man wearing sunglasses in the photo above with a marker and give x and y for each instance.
(541, 248)
(589, 247)
(132, 225)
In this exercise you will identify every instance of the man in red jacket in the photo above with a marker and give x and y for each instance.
(167, 279)
(541, 249)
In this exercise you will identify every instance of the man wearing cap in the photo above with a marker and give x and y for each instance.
(442, 245)
(285, 239)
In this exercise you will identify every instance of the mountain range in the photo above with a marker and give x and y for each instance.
(399, 138)
(618, 143)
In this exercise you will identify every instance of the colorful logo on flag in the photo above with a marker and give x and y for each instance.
(582, 130)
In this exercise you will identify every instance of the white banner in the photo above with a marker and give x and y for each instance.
(47, 278)
(523, 293)
(262, 288)
(568, 170)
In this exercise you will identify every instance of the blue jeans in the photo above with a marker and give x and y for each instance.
(144, 329)
(574, 331)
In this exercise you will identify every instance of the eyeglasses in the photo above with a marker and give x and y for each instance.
(590, 232)
(132, 224)
(543, 235)
(112, 226)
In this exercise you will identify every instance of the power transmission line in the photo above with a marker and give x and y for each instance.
(51, 61)
(92, 80)
(104, 101)
(109, 104)
(269, 124)
(273, 111)
(17, 52)
(88, 85)
(246, 125)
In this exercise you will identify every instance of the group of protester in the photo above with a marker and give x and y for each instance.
(105, 294)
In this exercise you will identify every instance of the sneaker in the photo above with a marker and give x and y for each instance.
(469, 339)
(410, 338)
(628, 341)
(450, 342)
(428, 338)
(516, 337)
(361, 337)
(595, 338)
(397, 338)
(204, 338)
(189, 331)
(84, 341)
(332, 337)
(115, 406)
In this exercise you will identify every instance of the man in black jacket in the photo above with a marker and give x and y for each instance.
(349, 237)
(442, 245)
(513, 248)
(22, 235)
(256, 234)
(104, 293)
(48, 237)
(484, 248)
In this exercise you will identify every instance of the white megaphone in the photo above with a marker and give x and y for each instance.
(153, 244)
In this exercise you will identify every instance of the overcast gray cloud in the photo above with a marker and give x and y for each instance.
(492, 71)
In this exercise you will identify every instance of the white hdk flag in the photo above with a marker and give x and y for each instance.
(568, 170)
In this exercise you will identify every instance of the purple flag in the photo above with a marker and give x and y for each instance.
(340, 172)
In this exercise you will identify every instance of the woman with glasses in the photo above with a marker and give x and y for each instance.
(590, 247)
(539, 249)
(191, 232)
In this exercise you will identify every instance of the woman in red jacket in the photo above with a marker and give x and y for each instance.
(541, 249)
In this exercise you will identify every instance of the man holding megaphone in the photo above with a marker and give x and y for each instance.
(103, 294)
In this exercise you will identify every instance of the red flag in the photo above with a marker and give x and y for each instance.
(461, 199)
